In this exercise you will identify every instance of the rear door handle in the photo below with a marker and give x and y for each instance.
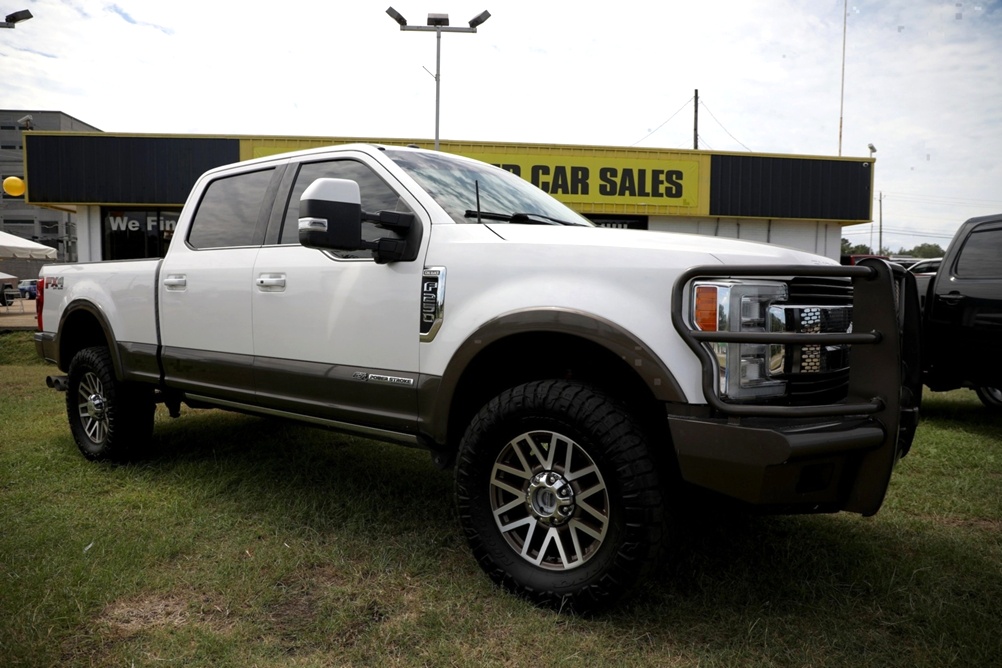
(176, 282)
(952, 298)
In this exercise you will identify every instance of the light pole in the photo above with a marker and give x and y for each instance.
(438, 23)
(880, 203)
(12, 19)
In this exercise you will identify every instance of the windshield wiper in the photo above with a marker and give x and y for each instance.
(522, 218)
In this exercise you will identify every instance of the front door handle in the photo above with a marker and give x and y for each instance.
(951, 298)
(271, 282)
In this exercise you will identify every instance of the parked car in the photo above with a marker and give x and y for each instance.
(962, 315)
(924, 271)
(926, 266)
(849, 260)
(28, 288)
(905, 261)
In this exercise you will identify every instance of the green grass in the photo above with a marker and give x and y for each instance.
(247, 542)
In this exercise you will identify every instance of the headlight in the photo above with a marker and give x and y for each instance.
(745, 370)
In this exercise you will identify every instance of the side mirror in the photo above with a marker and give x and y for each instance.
(331, 217)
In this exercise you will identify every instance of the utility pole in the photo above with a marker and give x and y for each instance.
(841, 98)
(880, 234)
(695, 120)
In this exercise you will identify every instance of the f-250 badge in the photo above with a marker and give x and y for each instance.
(432, 301)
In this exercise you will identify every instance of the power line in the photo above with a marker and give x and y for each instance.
(935, 199)
(663, 124)
(909, 233)
(703, 104)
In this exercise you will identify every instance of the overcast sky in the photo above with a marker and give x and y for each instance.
(922, 83)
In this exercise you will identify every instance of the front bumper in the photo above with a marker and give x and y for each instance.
(825, 457)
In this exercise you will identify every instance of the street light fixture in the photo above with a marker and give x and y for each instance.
(15, 18)
(438, 23)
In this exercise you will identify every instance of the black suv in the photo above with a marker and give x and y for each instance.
(962, 341)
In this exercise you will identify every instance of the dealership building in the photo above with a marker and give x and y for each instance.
(108, 196)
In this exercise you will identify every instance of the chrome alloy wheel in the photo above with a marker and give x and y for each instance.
(549, 500)
(93, 408)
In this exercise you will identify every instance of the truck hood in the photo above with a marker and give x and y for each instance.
(697, 248)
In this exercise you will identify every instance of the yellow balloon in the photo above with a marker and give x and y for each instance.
(13, 186)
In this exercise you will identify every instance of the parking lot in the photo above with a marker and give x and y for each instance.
(20, 314)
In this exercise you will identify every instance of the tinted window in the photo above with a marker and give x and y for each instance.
(375, 193)
(981, 256)
(229, 211)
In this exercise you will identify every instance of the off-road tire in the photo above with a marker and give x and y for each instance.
(110, 420)
(991, 397)
(553, 463)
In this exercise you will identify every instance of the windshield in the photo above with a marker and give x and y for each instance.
(454, 183)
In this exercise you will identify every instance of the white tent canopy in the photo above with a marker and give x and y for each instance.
(12, 246)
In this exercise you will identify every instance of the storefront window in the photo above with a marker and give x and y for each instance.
(136, 233)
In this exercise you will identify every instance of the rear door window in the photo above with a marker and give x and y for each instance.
(229, 214)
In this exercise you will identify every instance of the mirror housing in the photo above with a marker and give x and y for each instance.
(331, 217)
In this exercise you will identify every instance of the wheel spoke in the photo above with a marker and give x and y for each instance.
(521, 473)
(528, 540)
(544, 457)
(574, 475)
(508, 507)
(506, 528)
(506, 487)
(597, 513)
(581, 527)
(552, 537)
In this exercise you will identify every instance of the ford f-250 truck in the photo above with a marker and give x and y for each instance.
(576, 378)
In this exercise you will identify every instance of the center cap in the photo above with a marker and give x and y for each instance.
(550, 498)
(96, 406)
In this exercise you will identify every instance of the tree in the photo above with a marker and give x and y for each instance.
(927, 250)
(858, 249)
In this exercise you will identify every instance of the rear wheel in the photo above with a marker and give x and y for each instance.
(110, 420)
(991, 397)
(559, 496)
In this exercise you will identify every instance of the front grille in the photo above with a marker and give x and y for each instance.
(820, 291)
(817, 374)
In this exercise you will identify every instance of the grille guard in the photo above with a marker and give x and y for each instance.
(884, 359)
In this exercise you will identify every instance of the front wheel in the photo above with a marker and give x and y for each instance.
(109, 419)
(559, 496)
(991, 397)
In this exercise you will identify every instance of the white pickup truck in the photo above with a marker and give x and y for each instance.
(578, 379)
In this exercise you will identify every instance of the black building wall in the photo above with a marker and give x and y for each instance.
(119, 170)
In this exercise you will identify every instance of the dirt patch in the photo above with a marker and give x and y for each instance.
(989, 525)
(130, 617)
(127, 618)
